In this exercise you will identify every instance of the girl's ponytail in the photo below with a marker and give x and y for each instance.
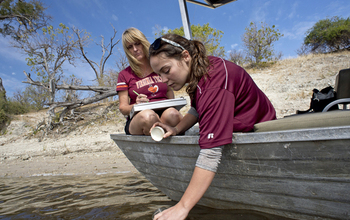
(199, 66)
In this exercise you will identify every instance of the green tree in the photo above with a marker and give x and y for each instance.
(258, 43)
(209, 36)
(329, 35)
(18, 17)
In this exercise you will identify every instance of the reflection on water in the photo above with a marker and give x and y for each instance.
(121, 196)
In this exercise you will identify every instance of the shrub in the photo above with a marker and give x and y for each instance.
(4, 119)
(16, 108)
(329, 35)
(258, 43)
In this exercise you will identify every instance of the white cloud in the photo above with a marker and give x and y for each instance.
(81, 71)
(8, 52)
(13, 73)
(165, 29)
(64, 11)
(260, 13)
(157, 29)
(279, 14)
(234, 45)
(337, 8)
(298, 31)
(11, 84)
(114, 17)
(293, 10)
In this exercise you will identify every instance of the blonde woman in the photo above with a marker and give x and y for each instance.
(138, 84)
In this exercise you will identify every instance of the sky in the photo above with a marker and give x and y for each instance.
(291, 17)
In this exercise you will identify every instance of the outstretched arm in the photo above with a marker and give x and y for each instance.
(204, 172)
(200, 181)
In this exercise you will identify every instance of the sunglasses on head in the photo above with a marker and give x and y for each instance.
(156, 43)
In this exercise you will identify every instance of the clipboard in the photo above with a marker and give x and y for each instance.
(177, 103)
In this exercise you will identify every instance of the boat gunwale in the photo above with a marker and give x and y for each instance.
(311, 134)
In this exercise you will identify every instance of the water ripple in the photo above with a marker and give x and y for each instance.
(121, 196)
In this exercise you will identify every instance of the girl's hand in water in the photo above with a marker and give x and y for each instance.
(176, 212)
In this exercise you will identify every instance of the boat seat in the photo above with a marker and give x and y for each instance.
(308, 120)
(342, 88)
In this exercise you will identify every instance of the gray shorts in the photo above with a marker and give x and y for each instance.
(209, 159)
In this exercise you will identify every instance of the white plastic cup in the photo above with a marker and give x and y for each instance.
(157, 133)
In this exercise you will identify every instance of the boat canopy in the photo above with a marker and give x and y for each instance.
(206, 3)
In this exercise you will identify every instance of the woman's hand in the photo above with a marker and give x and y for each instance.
(176, 212)
(142, 98)
(169, 131)
(200, 181)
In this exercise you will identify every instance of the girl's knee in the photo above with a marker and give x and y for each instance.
(143, 121)
(171, 116)
(148, 116)
(171, 112)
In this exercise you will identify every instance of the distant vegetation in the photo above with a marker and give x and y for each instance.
(9, 107)
(327, 35)
(209, 36)
(258, 44)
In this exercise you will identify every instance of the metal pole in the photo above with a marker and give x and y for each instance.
(185, 19)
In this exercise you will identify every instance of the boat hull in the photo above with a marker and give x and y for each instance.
(301, 174)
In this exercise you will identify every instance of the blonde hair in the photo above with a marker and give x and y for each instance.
(132, 35)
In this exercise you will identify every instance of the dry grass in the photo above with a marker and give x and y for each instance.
(289, 83)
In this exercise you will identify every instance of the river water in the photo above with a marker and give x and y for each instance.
(121, 196)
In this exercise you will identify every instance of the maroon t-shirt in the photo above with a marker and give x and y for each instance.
(228, 101)
(152, 85)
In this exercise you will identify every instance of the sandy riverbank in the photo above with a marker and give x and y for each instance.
(84, 147)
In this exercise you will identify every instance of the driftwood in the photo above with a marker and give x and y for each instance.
(101, 93)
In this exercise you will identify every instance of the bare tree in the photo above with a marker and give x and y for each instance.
(47, 52)
(71, 95)
(107, 51)
(237, 57)
(303, 50)
(123, 62)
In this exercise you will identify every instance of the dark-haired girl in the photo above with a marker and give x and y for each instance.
(224, 99)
